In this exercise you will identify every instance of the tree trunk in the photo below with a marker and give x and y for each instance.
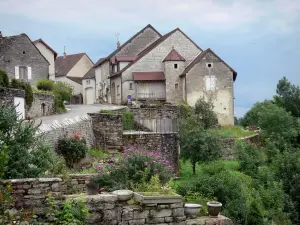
(194, 168)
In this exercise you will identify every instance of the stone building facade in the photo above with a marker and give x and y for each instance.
(168, 70)
(42, 105)
(21, 59)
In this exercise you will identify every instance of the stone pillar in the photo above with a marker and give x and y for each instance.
(108, 130)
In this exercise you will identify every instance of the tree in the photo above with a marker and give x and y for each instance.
(4, 81)
(198, 144)
(204, 110)
(27, 155)
(62, 92)
(288, 96)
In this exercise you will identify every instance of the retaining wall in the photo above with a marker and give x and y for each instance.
(42, 105)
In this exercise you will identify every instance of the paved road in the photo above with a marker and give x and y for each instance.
(75, 110)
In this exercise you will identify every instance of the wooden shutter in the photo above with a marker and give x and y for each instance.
(17, 76)
(29, 72)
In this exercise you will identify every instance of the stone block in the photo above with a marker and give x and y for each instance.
(161, 213)
(178, 212)
(176, 205)
(137, 222)
(141, 214)
(163, 206)
(110, 215)
(154, 220)
(169, 219)
(35, 191)
(127, 215)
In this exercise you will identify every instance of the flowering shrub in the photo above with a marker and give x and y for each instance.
(131, 168)
(72, 149)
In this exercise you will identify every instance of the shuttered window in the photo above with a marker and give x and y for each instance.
(210, 83)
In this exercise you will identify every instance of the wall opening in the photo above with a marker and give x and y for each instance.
(43, 109)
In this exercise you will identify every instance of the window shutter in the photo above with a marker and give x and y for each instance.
(17, 76)
(29, 72)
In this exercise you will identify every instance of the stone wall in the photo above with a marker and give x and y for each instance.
(108, 130)
(7, 95)
(228, 144)
(31, 193)
(82, 125)
(166, 144)
(162, 112)
(42, 105)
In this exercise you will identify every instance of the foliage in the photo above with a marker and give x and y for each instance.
(3, 157)
(204, 110)
(28, 155)
(20, 84)
(97, 153)
(130, 168)
(62, 92)
(186, 110)
(232, 132)
(73, 149)
(38, 91)
(74, 212)
(128, 121)
(288, 96)
(198, 144)
(45, 85)
(153, 186)
(4, 81)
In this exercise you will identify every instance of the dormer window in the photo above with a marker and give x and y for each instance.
(175, 66)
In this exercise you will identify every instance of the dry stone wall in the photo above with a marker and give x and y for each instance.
(42, 105)
(7, 95)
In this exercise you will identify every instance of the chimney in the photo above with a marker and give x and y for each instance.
(65, 52)
(1, 34)
(118, 44)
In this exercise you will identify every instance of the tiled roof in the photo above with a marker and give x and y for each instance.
(152, 46)
(90, 74)
(148, 76)
(44, 43)
(123, 45)
(64, 65)
(173, 56)
(198, 59)
(78, 80)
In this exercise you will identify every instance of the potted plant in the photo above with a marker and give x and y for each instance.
(214, 208)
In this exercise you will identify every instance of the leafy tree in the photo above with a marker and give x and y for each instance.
(45, 84)
(27, 155)
(204, 110)
(198, 144)
(4, 81)
(64, 90)
(288, 96)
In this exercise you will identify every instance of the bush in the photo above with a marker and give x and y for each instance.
(4, 81)
(27, 154)
(62, 92)
(128, 121)
(45, 85)
(129, 170)
(20, 84)
(72, 149)
(204, 110)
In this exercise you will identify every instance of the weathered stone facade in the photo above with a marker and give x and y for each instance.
(108, 130)
(166, 144)
(23, 52)
(7, 96)
(42, 105)
(162, 112)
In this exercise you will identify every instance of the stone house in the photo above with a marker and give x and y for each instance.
(21, 59)
(170, 68)
(71, 69)
(89, 87)
(49, 54)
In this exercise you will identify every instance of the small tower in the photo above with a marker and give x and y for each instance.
(65, 54)
(174, 65)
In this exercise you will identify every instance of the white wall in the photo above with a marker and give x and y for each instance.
(77, 88)
(49, 55)
(101, 73)
(123, 64)
(86, 85)
(81, 67)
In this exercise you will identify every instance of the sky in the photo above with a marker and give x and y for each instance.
(259, 39)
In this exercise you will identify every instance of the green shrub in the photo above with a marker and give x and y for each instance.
(45, 85)
(74, 212)
(128, 121)
(205, 112)
(129, 170)
(73, 149)
(27, 154)
(20, 84)
(97, 153)
(4, 81)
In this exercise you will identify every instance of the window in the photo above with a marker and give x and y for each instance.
(23, 75)
(175, 66)
(118, 90)
(176, 86)
(88, 81)
(210, 83)
(209, 65)
(130, 86)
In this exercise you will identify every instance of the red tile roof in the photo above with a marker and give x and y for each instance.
(173, 56)
(149, 76)
(47, 46)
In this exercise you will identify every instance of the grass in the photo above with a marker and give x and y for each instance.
(232, 132)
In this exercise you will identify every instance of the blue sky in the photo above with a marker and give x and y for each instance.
(259, 39)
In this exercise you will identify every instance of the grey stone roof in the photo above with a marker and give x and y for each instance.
(90, 74)
(64, 64)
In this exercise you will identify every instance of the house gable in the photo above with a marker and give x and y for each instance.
(81, 67)
(134, 45)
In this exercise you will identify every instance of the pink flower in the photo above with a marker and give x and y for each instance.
(76, 135)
